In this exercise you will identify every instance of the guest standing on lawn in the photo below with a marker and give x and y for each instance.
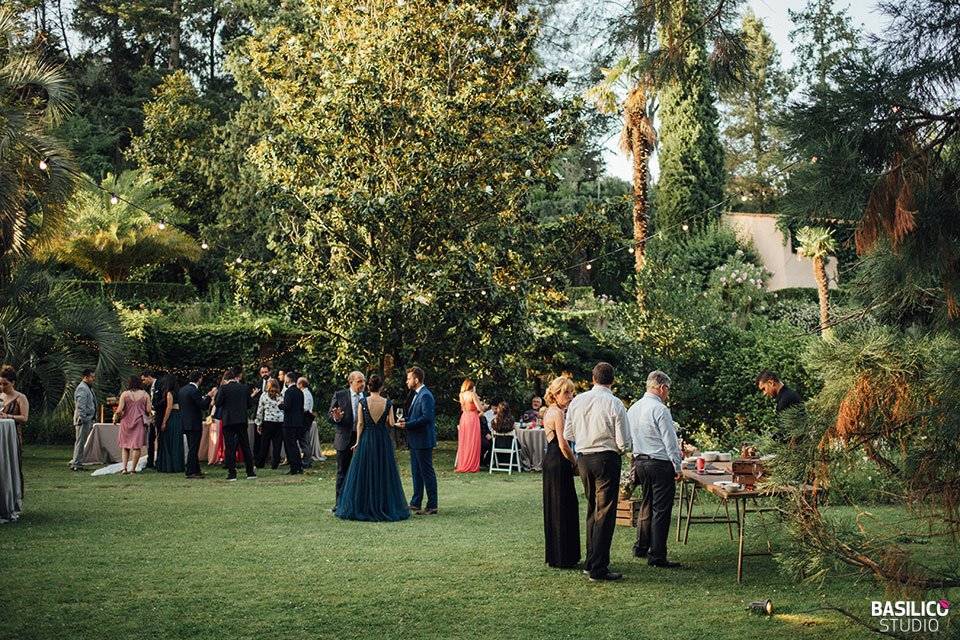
(373, 491)
(133, 410)
(192, 407)
(149, 380)
(421, 426)
(303, 439)
(468, 431)
(656, 462)
(84, 412)
(170, 440)
(343, 413)
(597, 422)
(561, 513)
(292, 406)
(270, 425)
(14, 406)
(233, 399)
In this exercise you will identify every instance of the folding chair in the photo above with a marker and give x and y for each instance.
(505, 444)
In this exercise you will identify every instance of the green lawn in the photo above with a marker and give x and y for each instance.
(157, 556)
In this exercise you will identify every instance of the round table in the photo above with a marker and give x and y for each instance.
(532, 443)
(11, 479)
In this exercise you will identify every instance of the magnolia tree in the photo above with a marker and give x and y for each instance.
(406, 137)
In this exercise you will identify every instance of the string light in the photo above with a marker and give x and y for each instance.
(631, 250)
(814, 159)
(549, 278)
(589, 266)
(685, 227)
(204, 246)
(114, 199)
(239, 260)
(273, 271)
(513, 287)
(43, 164)
(161, 226)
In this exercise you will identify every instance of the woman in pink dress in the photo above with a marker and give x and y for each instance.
(133, 410)
(468, 433)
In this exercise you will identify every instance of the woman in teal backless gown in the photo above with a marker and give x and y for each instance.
(372, 490)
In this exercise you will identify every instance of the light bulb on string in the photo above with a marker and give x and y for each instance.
(43, 164)
(239, 260)
(161, 226)
(814, 159)
(685, 227)
(549, 278)
(299, 280)
(589, 266)
(513, 287)
(204, 246)
(273, 271)
(631, 250)
(114, 199)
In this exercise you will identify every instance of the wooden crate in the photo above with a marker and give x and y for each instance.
(747, 471)
(627, 511)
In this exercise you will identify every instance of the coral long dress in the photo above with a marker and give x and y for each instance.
(468, 438)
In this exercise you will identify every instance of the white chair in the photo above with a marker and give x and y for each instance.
(505, 444)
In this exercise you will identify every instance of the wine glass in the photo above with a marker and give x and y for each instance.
(399, 414)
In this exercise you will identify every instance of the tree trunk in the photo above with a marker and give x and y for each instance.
(63, 30)
(641, 211)
(820, 274)
(174, 62)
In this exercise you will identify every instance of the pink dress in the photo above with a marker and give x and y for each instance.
(468, 439)
(133, 430)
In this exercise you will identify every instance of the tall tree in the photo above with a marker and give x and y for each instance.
(824, 35)
(817, 243)
(408, 135)
(36, 170)
(753, 144)
(690, 187)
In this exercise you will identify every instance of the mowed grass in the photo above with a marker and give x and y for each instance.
(157, 556)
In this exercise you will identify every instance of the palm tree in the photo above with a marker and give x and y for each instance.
(817, 243)
(109, 239)
(36, 170)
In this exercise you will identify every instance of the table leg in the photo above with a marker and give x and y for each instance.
(742, 520)
(726, 508)
(680, 507)
(686, 530)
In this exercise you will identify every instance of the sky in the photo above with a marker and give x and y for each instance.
(775, 17)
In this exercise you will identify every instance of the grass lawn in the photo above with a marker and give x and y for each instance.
(156, 556)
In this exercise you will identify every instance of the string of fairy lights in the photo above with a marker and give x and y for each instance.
(547, 277)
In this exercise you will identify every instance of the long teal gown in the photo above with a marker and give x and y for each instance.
(372, 491)
(170, 446)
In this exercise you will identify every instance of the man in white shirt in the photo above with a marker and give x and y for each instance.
(306, 446)
(656, 462)
(597, 421)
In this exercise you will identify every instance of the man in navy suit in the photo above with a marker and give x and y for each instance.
(233, 399)
(292, 406)
(192, 407)
(421, 427)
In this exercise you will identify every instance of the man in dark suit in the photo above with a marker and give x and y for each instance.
(421, 428)
(192, 407)
(292, 406)
(343, 413)
(233, 399)
(149, 380)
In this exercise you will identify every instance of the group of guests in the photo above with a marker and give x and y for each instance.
(586, 436)
(480, 422)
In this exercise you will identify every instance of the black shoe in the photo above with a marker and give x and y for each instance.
(332, 510)
(609, 576)
(664, 564)
(427, 512)
(640, 554)
(231, 478)
(413, 507)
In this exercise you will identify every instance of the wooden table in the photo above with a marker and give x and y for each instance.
(741, 501)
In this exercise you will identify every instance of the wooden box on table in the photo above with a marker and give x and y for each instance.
(747, 471)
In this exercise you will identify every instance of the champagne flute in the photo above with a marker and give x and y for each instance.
(399, 414)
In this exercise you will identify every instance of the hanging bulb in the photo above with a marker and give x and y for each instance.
(299, 279)
(549, 278)
(513, 287)
(204, 246)
(589, 266)
(273, 271)
(685, 227)
(161, 226)
(631, 250)
(814, 159)
(239, 260)
(43, 164)
(114, 199)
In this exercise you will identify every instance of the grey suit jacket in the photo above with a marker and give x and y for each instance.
(84, 404)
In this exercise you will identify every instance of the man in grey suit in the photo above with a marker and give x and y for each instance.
(343, 414)
(84, 410)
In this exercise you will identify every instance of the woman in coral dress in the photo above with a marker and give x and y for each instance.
(133, 410)
(468, 433)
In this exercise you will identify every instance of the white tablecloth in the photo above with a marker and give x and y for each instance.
(11, 484)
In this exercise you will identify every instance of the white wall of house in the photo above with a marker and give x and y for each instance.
(787, 269)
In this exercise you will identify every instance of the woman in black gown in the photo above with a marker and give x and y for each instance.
(561, 513)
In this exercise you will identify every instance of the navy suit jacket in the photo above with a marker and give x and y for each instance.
(292, 406)
(192, 407)
(233, 399)
(422, 421)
